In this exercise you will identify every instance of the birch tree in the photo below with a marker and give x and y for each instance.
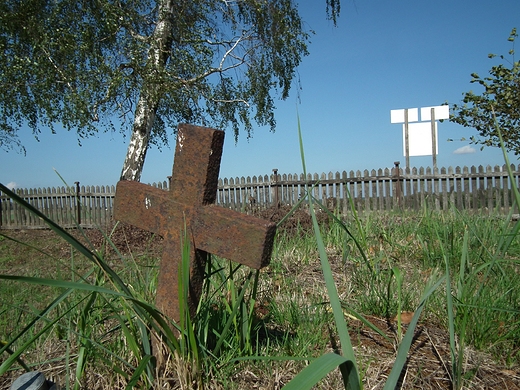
(142, 66)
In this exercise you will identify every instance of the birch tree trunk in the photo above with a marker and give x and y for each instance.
(150, 93)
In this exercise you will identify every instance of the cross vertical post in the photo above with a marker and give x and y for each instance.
(189, 205)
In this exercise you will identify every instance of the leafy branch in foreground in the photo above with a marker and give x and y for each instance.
(497, 106)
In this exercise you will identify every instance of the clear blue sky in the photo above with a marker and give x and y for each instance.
(383, 55)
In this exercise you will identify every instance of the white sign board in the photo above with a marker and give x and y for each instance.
(441, 112)
(420, 139)
(397, 116)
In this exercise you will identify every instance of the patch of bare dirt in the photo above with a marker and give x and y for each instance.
(428, 365)
(299, 221)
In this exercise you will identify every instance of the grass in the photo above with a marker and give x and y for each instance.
(281, 317)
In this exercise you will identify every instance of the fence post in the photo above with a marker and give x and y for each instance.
(78, 203)
(397, 180)
(275, 185)
(169, 182)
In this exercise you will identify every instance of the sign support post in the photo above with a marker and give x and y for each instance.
(406, 141)
(417, 135)
(434, 141)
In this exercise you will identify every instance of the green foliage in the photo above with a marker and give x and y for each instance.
(345, 359)
(82, 64)
(501, 95)
(333, 8)
(102, 327)
(96, 311)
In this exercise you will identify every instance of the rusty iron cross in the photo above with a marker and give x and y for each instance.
(210, 228)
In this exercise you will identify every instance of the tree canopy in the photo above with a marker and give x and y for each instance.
(498, 105)
(143, 66)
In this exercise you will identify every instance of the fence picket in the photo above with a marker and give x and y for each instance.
(477, 188)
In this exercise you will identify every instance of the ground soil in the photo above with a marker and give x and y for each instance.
(428, 363)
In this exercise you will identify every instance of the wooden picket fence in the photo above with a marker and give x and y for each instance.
(480, 188)
(88, 206)
(475, 188)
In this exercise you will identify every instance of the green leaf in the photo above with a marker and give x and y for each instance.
(315, 371)
(500, 95)
(404, 346)
(349, 372)
(29, 329)
(132, 383)
(63, 284)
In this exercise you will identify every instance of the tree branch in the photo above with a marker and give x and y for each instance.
(64, 79)
(230, 53)
(245, 102)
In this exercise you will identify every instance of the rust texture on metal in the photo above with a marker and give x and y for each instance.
(189, 203)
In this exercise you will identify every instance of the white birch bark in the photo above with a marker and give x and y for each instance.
(150, 93)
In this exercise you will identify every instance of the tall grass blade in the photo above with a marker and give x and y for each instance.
(315, 371)
(143, 364)
(49, 324)
(236, 307)
(353, 209)
(41, 316)
(148, 314)
(366, 322)
(26, 245)
(64, 284)
(18, 359)
(349, 371)
(344, 227)
(71, 240)
(399, 280)
(404, 346)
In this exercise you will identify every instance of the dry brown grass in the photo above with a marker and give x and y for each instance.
(428, 365)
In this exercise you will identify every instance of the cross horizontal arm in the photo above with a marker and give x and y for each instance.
(144, 206)
(232, 235)
(223, 232)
